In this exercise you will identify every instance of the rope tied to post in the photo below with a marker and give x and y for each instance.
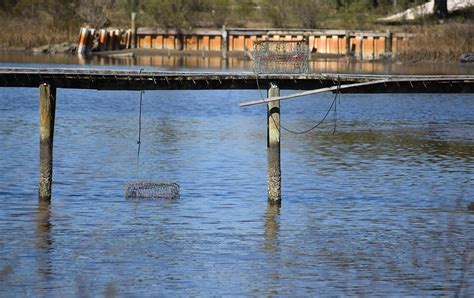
(316, 125)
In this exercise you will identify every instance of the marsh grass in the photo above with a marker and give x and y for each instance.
(27, 33)
(444, 42)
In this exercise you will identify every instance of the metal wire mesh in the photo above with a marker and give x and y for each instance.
(152, 190)
(281, 56)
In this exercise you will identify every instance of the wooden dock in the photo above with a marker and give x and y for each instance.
(108, 79)
(49, 79)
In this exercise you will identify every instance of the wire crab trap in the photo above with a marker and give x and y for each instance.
(157, 189)
(281, 56)
(152, 190)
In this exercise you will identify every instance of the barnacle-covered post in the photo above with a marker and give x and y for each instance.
(47, 113)
(273, 146)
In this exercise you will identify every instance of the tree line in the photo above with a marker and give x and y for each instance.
(353, 14)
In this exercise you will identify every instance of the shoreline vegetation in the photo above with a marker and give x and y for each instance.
(40, 24)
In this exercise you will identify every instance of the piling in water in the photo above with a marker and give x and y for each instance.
(273, 146)
(103, 38)
(47, 115)
(83, 36)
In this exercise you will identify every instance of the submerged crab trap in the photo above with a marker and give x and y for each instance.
(281, 56)
(152, 190)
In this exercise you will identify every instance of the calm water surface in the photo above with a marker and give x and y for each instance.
(378, 208)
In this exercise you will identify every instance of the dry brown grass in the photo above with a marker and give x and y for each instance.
(445, 42)
(24, 33)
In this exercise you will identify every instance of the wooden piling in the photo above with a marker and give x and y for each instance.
(273, 146)
(133, 30)
(179, 41)
(224, 45)
(90, 41)
(117, 36)
(388, 43)
(103, 40)
(348, 43)
(47, 115)
(83, 36)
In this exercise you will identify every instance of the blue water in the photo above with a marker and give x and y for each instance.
(378, 208)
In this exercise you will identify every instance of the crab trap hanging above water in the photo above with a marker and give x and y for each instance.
(281, 56)
(152, 190)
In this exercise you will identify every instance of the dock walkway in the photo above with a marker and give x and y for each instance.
(111, 79)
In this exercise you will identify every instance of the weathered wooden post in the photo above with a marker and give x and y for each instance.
(224, 44)
(388, 43)
(348, 43)
(133, 30)
(117, 39)
(180, 40)
(47, 114)
(83, 37)
(273, 146)
(103, 40)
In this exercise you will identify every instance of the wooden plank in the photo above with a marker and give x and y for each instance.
(158, 42)
(368, 45)
(204, 43)
(323, 44)
(215, 43)
(327, 89)
(161, 31)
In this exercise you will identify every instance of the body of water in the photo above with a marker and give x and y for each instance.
(378, 208)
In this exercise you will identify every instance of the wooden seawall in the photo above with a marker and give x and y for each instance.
(48, 80)
(363, 44)
(367, 45)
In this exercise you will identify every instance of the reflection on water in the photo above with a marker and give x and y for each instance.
(377, 209)
(271, 227)
(216, 63)
(44, 240)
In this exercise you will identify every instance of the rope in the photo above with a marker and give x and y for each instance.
(334, 103)
(139, 142)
